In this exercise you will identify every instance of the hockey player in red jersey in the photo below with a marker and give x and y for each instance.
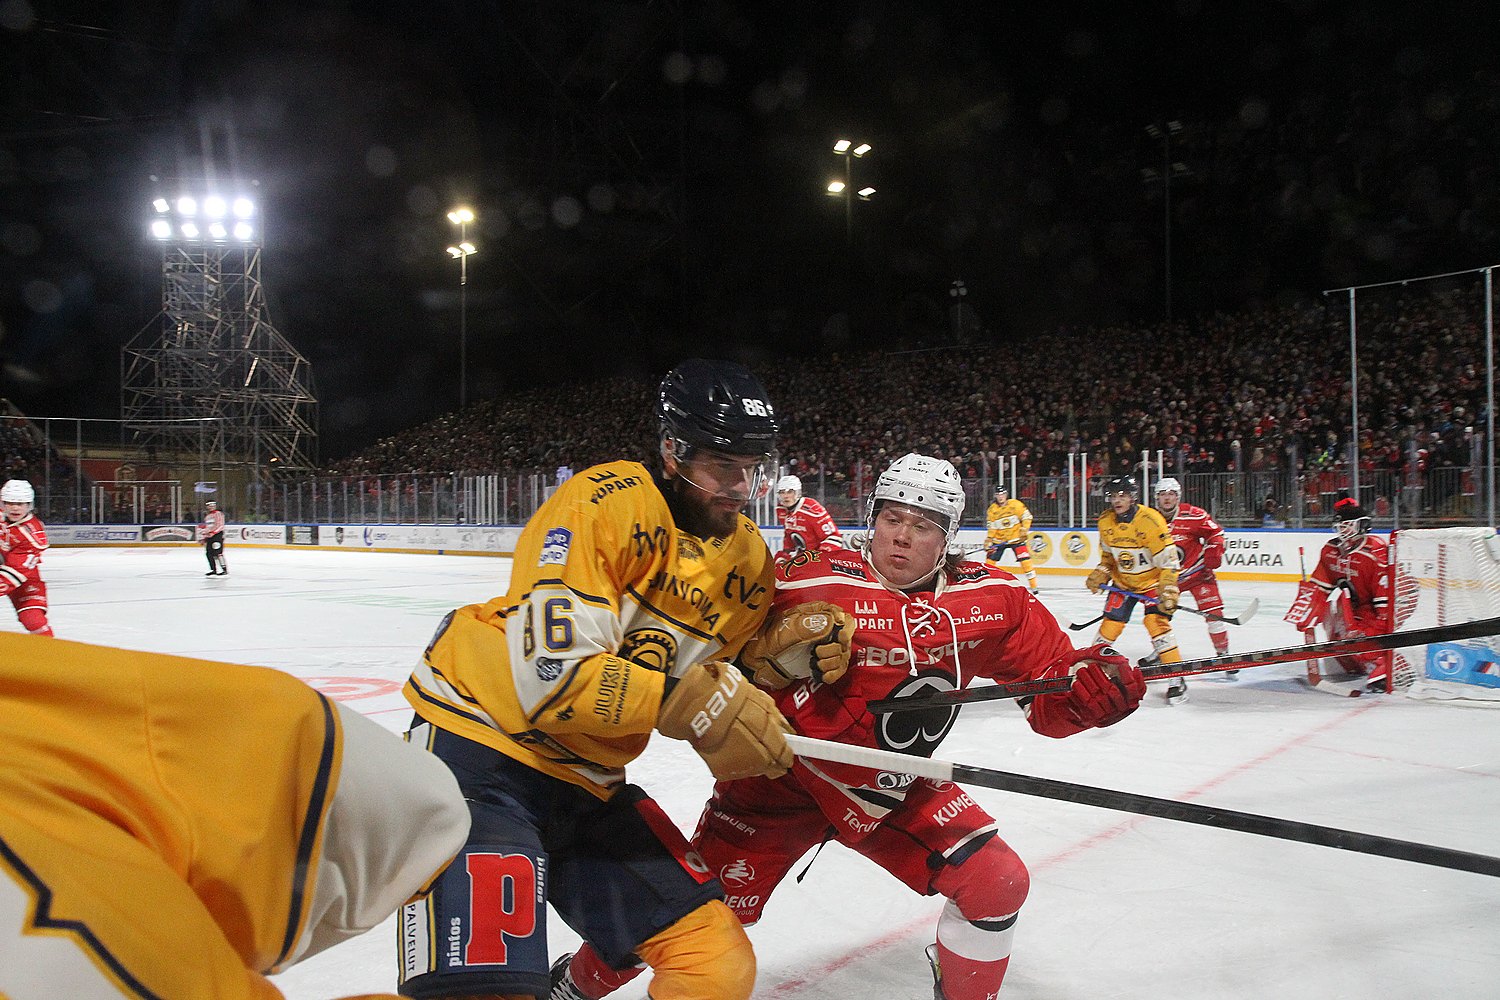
(211, 534)
(805, 523)
(23, 539)
(1200, 551)
(925, 620)
(1353, 577)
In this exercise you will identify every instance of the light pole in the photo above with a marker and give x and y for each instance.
(849, 149)
(957, 291)
(1169, 169)
(461, 217)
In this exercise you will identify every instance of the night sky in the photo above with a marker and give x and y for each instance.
(649, 176)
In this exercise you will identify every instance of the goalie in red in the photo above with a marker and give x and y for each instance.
(923, 620)
(1349, 595)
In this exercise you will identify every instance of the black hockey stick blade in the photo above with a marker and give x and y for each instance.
(1147, 805)
(1232, 661)
(1080, 626)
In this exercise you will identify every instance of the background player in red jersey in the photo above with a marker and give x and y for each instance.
(925, 620)
(805, 523)
(1200, 551)
(211, 534)
(23, 539)
(1353, 576)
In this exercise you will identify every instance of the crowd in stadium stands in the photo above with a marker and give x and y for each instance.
(1247, 392)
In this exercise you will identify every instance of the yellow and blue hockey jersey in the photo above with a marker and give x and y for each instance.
(565, 672)
(1138, 552)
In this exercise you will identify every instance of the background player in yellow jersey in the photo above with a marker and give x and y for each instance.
(180, 829)
(1009, 524)
(631, 591)
(1136, 554)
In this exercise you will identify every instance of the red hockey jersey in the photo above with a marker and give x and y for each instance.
(22, 543)
(1199, 540)
(978, 622)
(808, 525)
(1367, 573)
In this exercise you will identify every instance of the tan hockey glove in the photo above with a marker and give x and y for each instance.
(1166, 598)
(735, 727)
(810, 640)
(1097, 579)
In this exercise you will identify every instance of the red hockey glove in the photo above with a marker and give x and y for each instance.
(1213, 557)
(1106, 686)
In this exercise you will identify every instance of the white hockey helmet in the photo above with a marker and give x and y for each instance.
(17, 491)
(1168, 485)
(788, 483)
(211, 505)
(926, 483)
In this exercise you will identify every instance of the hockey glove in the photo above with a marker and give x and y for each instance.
(735, 727)
(1166, 598)
(810, 640)
(1097, 579)
(1106, 687)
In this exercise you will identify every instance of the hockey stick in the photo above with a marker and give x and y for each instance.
(1239, 619)
(1213, 664)
(1080, 626)
(1244, 617)
(1147, 805)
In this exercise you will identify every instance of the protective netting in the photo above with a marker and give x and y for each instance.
(1444, 576)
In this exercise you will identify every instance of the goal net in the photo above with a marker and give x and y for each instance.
(1442, 576)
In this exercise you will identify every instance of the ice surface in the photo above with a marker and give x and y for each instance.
(1121, 906)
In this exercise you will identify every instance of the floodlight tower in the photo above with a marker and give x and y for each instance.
(210, 373)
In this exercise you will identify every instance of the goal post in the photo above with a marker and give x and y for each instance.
(1441, 576)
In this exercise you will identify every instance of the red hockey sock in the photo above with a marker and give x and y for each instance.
(593, 978)
(35, 621)
(968, 978)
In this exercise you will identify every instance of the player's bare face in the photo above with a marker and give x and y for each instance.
(718, 488)
(907, 545)
(14, 510)
(1119, 501)
(1167, 501)
(788, 498)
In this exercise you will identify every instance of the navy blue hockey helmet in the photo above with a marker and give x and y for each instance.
(718, 405)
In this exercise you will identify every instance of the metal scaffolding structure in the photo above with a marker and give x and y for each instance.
(211, 374)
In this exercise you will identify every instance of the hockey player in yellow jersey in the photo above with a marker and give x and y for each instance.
(181, 829)
(631, 591)
(1136, 554)
(1009, 527)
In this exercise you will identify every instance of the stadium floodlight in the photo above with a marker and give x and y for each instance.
(161, 229)
(187, 205)
(217, 230)
(208, 214)
(243, 231)
(243, 208)
(849, 149)
(214, 207)
(461, 217)
(190, 230)
(161, 205)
